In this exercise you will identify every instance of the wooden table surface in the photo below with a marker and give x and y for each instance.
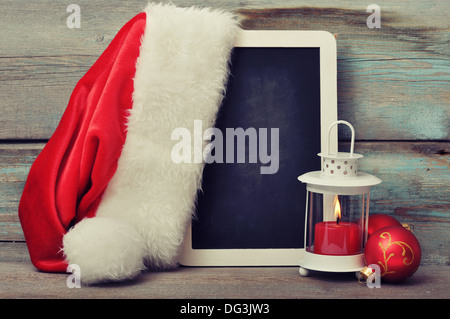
(19, 279)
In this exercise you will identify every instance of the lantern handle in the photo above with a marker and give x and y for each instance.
(353, 135)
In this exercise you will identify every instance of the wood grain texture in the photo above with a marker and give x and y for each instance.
(41, 60)
(412, 191)
(19, 279)
(403, 54)
(392, 86)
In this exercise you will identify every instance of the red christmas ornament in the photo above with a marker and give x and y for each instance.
(378, 221)
(395, 250)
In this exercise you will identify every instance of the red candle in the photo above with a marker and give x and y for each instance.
(333, 238)
(337, 237)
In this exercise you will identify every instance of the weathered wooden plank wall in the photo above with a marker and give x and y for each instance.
(393, 86)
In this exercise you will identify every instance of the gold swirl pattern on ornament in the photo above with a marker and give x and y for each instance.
(402, 244)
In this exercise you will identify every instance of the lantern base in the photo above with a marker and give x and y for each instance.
(311, 261)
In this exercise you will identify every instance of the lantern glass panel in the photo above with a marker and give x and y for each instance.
(335, 223)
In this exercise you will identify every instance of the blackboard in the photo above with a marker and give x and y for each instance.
(251, 198)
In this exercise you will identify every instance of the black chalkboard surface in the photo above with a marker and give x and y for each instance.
(251, 198)
(240, 206)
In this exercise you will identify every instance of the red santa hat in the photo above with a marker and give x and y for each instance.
(104, 193)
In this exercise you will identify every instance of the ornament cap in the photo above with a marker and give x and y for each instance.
(365, 273)
(408, 227)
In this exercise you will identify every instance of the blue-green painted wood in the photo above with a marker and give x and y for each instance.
(392, 86)
(392, 81)
(413, 190)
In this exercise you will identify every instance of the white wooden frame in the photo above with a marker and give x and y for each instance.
(328, 110)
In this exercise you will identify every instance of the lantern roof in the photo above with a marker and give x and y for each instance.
(358, 180)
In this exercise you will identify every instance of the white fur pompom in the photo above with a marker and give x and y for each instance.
(105, 249)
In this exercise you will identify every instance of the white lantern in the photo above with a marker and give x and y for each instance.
(337, 212)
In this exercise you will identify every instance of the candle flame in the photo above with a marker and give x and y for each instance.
(337, 208)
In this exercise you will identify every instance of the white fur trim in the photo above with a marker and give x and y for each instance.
(114, 250)
(180, 77)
